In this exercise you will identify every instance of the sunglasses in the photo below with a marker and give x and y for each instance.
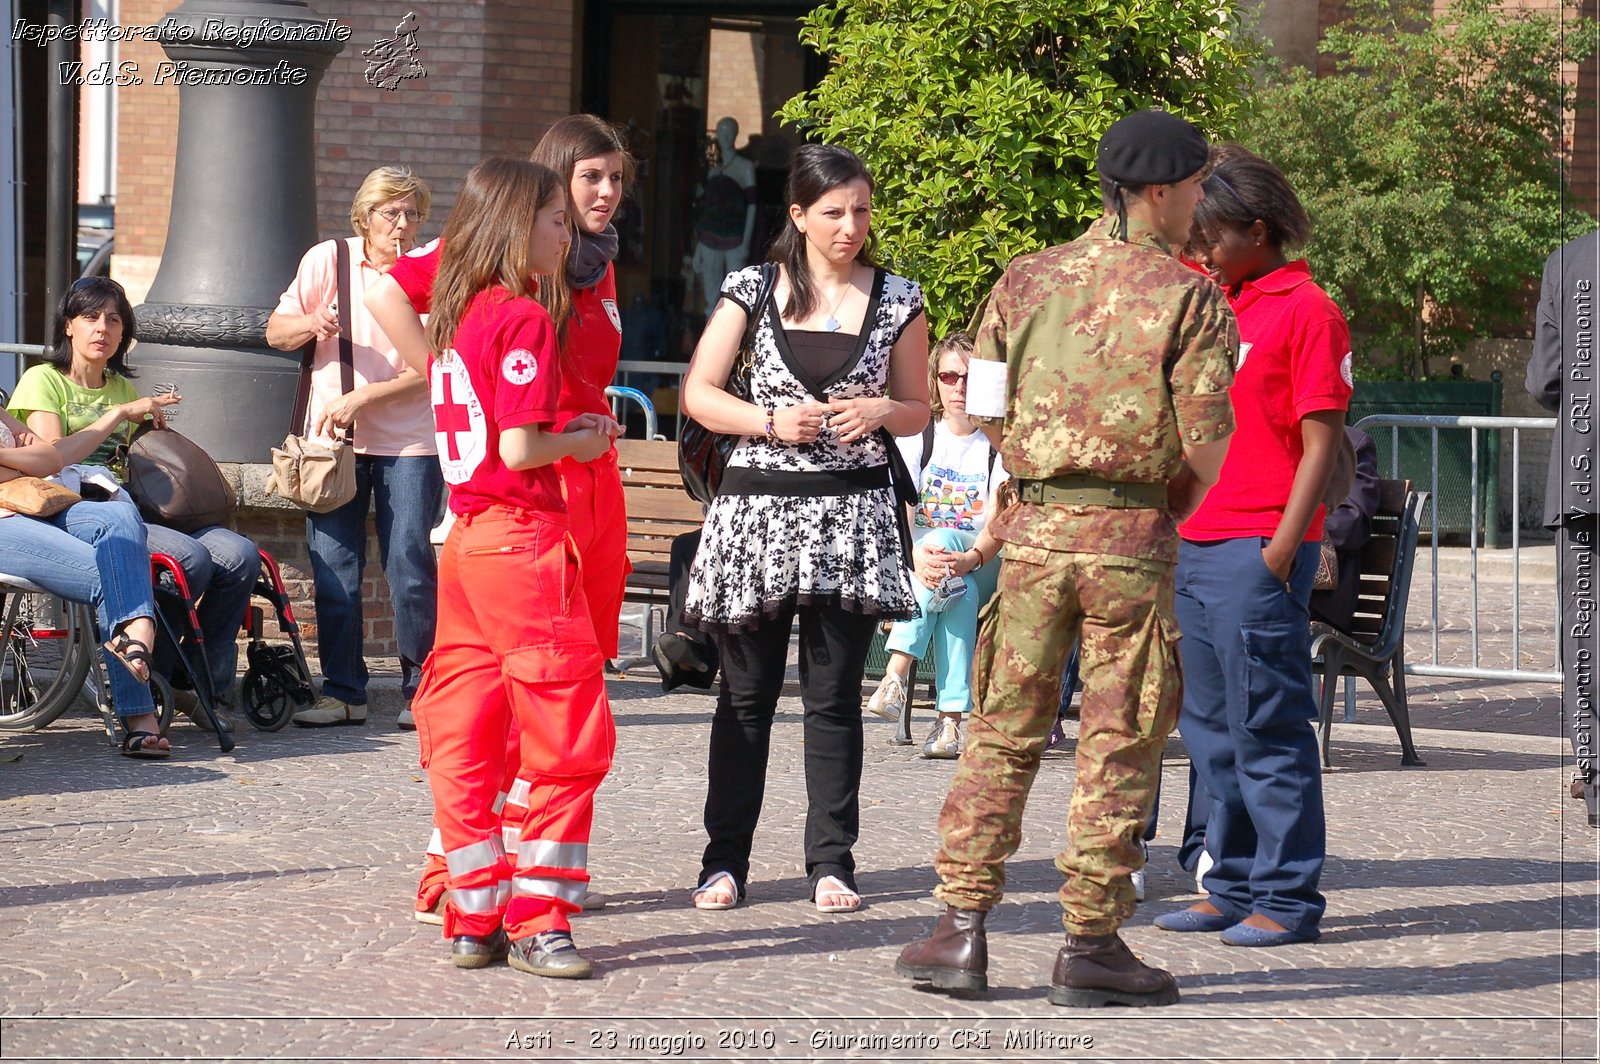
(94, 282)
(951, 378)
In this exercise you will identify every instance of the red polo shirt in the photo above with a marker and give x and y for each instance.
(594, 332)
(1294, 360)
(504, 371)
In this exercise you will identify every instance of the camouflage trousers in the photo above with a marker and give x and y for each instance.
(1123, 610)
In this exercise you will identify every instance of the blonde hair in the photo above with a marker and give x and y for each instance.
(382, 185)
(961, 344)
(486, 241)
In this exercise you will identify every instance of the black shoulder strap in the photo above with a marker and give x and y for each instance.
(308, 353)
(347, 372)
(927, 445)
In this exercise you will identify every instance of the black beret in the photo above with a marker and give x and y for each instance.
(1150, 148)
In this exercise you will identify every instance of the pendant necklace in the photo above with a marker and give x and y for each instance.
(832, 323)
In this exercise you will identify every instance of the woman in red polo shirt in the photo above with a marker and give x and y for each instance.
(514, 641)
(593, 157)
(1246, 564)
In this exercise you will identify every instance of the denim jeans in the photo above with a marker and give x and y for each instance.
(92, 552)
(221, 567)
(407, 493)
(1249, 722)
(952, 633)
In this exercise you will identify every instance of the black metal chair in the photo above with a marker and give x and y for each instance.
(1374, 648)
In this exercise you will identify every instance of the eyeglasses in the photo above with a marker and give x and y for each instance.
(392, 215)
(952, 378)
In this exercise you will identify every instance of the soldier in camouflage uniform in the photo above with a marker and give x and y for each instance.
(1108, 362)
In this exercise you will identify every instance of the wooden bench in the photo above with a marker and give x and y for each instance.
(659, 510)
(1374, 647)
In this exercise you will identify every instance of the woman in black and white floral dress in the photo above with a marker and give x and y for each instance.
(806, 520)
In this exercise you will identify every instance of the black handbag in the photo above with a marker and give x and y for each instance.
(702, 453)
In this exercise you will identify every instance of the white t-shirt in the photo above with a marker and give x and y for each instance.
(958, 482)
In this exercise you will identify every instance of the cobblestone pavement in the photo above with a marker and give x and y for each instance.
(257, 906)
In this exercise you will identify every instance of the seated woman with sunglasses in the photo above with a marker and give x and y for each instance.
(954, 553)
(91, 552)
(82, 401)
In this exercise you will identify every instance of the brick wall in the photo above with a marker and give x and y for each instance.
(147, 139)
(282, 533)
(499, 72)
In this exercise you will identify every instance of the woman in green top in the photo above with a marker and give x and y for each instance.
(83, 402)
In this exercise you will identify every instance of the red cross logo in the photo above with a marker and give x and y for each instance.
(451, 418)
(519, 367)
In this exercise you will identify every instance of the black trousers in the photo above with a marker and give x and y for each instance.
(1576, 589)
(833, 657)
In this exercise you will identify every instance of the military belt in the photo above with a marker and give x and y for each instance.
(1094, 491)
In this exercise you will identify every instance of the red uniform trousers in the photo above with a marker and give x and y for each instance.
(598, 520)
(514, 644)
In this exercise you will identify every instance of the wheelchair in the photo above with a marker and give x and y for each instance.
(48, 658)
(48, 661)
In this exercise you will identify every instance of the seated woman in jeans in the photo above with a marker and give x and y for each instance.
(84, 403)
(958, 472)
(91, 552)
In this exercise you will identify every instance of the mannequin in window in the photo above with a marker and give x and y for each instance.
(727, 215)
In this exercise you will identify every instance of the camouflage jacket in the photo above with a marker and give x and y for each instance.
(1115, 352)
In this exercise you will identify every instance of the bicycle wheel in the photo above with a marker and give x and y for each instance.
(46, 644)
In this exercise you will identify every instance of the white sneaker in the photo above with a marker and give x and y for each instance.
(406, 722)
(945, 739)
(328, 712)
(889, 699)
(1138, 874)
(1201, 867)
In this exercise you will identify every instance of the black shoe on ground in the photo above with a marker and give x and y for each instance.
(954, 956)
(478, 951)
(549, 953)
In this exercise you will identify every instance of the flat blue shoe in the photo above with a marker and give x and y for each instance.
(1190, 920)
(1246, 935)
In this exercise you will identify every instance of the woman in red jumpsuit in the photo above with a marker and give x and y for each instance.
(593, 157)
(515, 641)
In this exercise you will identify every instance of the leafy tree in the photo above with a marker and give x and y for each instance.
(1430, 163)
(979, 118)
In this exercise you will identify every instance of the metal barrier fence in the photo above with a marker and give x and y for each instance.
(1434, 423)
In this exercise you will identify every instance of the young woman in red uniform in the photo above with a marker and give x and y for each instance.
(515, 641)
(591, 154)
(1246, 563)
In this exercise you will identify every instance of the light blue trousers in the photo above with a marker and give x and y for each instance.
(951, 634)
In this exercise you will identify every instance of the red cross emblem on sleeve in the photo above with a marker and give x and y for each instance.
(519, 367)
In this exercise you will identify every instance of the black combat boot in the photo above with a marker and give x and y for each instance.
(954, 957)
(1096, 970)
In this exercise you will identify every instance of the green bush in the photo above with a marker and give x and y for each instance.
(1430, 163)
(979, 118)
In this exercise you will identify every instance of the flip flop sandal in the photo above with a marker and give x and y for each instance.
(133, 746)
(130, 652)
(711, 883)
(835, 885)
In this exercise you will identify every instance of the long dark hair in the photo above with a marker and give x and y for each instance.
(86, 296)
(1243, 188)
(817, 169)
(486, 240)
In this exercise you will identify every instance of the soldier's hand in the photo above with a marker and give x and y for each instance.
(800, 423)
(854, 418)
